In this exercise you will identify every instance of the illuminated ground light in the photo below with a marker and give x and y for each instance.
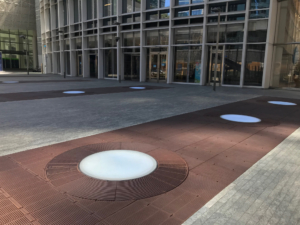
(281, 103)
(10, 82)
(74, 92)
(240, 118)
(138, 88)
(117, 165)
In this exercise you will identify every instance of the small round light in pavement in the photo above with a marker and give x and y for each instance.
(10, 82)
(138, 88)
(240, 118)
(281, 103)
(118, 165)
(74, 92)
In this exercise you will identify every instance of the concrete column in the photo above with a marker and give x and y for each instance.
(143, 51)
(204, 47)
(244, 53)
(270, 45)
(171, 57)
(35, 52)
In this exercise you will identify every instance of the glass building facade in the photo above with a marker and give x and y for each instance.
(171, 41)
(14, 48)
(18, 19)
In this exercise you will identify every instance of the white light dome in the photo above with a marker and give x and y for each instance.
(74, 92)
(281, 103)
(117, 165)
(240, 118)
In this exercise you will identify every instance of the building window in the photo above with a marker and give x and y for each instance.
(151, 4)
(236, 6)
(109, 7)
(259, 4)
(182, 2)
(91, 7)
(131, 6)
(227, 33)
(188, 64)
(259, 14)
(257, 31)
(65, 7)
(131, 39)
(222, 6)
(110, 41)
(254, 67)
(154, 4)
(157, 37)
(188, 35)
(92, 42)
(182, 12)
(232, 64)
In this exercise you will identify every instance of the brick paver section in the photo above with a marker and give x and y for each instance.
(268, 193)
(216, 151)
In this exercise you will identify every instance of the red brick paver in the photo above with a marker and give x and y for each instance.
(216, 151)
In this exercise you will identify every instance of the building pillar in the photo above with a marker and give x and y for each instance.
(143, 51)
(270, 45)
(204, 47)
(244, 53)
(170, 59)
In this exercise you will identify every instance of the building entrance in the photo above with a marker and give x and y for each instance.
(158, 69)
(211, 65)
(132, 67)
(93, 66)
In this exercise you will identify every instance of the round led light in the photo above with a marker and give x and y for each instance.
(281, 103)
(117, 165)
(240, 118)
(74, 92)
(138, 88)
(10, 82)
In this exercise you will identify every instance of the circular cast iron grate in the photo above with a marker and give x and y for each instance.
(63, 173)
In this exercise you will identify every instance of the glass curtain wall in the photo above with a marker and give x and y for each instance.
(14, 48)
(188, 58)
(286, 57)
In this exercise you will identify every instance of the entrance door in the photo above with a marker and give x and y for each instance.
(158, 67)
(79, 65)
(211, 65)
(93, 66)
(131, 67)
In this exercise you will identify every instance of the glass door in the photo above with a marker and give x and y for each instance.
(131, 67)
(163, 67)
(153, 67)
(211, 65)
(158, 67)
(93, 66)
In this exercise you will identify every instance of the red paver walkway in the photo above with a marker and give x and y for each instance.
(216, 152)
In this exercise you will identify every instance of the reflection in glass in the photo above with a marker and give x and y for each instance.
(259, 4)
(151, 4)
(235, 33)
(257, 31)
(259, 14)
(232, 64)
(254, 68)
(212, 34)
(152, 37)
